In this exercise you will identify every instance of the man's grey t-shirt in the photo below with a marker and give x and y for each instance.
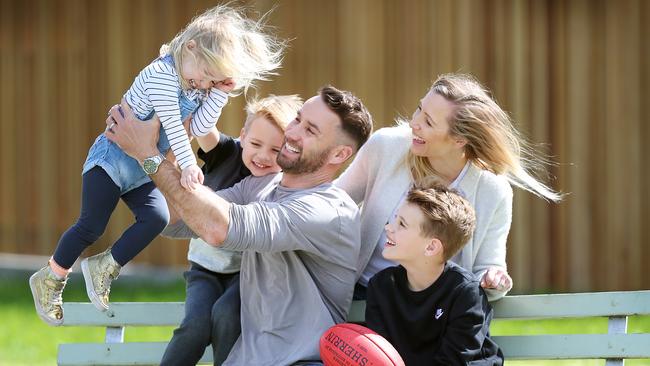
(300, 249)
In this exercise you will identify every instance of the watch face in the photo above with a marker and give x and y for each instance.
(150, 165)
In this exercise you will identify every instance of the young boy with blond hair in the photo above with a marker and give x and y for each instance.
(431, 310)
(212, 299)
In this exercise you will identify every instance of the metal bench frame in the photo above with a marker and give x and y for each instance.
(615, 346)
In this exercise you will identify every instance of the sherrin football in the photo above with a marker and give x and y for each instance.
(350, 344)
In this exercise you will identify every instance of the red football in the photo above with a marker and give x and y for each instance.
(350, 344)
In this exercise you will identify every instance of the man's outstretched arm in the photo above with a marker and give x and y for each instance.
(204, 212)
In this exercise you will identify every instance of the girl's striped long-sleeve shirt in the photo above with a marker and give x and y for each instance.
(157, 88)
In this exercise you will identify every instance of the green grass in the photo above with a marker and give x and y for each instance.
(26, 340)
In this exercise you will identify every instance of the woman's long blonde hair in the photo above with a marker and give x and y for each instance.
(493, 143)
(239, 47)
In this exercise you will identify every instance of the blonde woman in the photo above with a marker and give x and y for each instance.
(461, 138)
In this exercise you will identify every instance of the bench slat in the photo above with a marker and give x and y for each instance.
(575, 346)
(572, 305)
(124, 314)
(147, 314)
(510, 307)
(570, 346)
(134, 353)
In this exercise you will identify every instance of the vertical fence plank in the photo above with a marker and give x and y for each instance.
(623, 142)
(538, 115)
(578, 82)
(517, 104)
(644, 56)
(558, 111)
(8, 62)
(361, 42)
(41, 137)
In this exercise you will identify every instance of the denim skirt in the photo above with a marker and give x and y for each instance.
(125, 171)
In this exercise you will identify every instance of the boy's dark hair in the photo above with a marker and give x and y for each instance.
(447, 216)
(356, 121)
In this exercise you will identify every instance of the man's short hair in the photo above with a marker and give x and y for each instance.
(447, 216)
(356, 121)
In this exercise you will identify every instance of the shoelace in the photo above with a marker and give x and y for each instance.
(105, 283)
(55, 296)
(54, 292)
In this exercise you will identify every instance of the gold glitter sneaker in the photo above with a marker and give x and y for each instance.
(99, 271)
(47, 291)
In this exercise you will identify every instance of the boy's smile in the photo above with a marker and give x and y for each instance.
(404, 238)
(261, 144)
(390, 243)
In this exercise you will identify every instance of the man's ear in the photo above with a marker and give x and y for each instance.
(434, 248)
(340, 154)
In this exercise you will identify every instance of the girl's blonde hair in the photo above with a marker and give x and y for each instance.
(228, 41)
(278, 109)
(493, 143)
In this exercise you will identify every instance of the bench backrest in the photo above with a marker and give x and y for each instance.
(614, 346)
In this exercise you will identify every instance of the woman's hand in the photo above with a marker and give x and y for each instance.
(496, 278)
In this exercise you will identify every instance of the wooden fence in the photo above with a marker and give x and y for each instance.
(574, 75)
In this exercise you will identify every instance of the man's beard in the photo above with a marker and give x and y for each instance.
(304, 164)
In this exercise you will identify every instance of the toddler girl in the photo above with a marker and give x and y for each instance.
(219, 52)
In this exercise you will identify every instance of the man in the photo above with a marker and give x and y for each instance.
(298, 233)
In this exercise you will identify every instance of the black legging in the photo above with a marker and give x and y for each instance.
(98, 200)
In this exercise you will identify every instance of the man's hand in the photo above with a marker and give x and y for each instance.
(496, 278)
(135, 138)
(191, 177)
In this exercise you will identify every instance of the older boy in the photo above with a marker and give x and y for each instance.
(432, 311)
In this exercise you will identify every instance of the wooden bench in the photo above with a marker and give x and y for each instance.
(615, 346)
